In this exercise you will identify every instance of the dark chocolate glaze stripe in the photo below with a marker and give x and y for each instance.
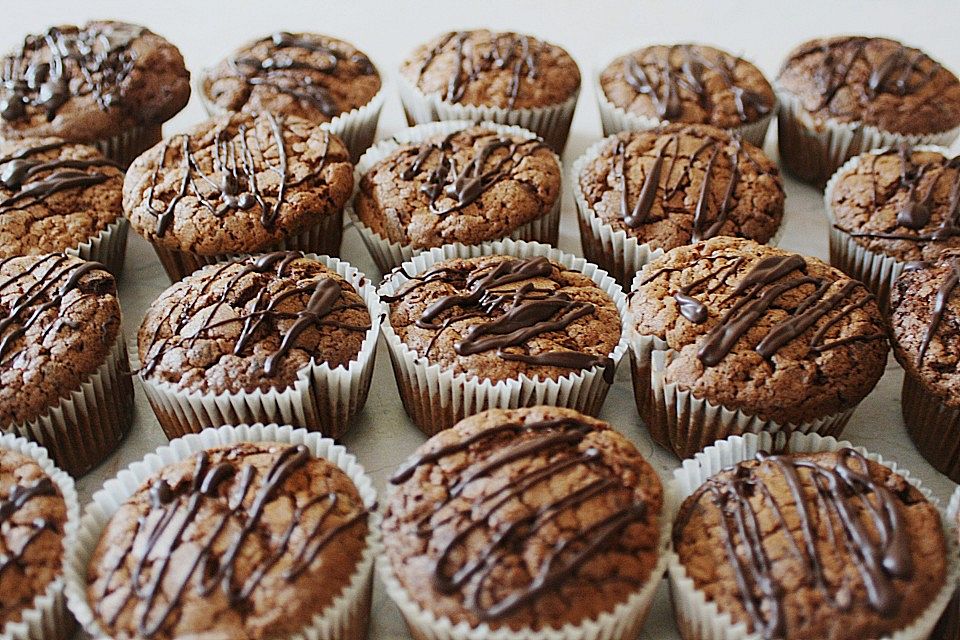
(562, 440)
(844, 496)
(939, 308)
(158, 538)
(18, 497)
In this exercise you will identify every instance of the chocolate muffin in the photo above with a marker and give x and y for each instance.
(60, 196)
(524, 520)
(810, 546)
(671, 186)
(240, 184)
(110, 84)
(245, 541)
(779, 339)
(59, 330)
(845, 95)
(508, 77)
(688, 83)
(925, 315)
(471, 185)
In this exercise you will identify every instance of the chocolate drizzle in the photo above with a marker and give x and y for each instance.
(560, 442)
(18, 497)
(49, 69)
(940, 303)
(325, 299)
(843, 497)
(159, 586)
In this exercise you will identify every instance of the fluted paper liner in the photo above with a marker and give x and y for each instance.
(700, 619)
(344, 619)
(949, 626)
(552, 122)
(435, 398)
(813, 149)
(933, 426)
(323, 398)
(621, 254)
(616, 119)
(124, 147)
(47, 617)
(109, 247)
(623, 622)
(877, 271)
(87, 423)
(388, 255)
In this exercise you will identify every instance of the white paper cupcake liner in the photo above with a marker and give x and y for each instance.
(324, 399)
(700, 619)
(619, 253)
(812, 149)
(109, 247)
(933, 426)
(388, 255)
(124, 147)
(552, 123)
(89, 422)
(47, 618)
(435, 398)
(949, 626)
(624, 622)
(344, 619)
(322, 238)
(616, 119)
(877, 271)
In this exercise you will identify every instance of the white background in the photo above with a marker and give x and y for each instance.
(593, 33)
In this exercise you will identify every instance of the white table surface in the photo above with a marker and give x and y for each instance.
(593, 32)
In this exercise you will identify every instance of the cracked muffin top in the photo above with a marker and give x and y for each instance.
(688, 83)
(903, 203)
(251, 324)
(59, 319)
(308, 75)
(54, 195)
(493, 69)
(248, 542)
(469, 186)
(31, 539)
(779, 335)
(524, 519)
(876, 81)
(812, 546)
(90, 82)
(499, 317)
(237, 184)
(681, 183)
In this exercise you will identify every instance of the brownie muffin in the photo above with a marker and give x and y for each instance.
(523, 520)
(57, 195)
(240, 183)
(845, 95)
(468, 186)
(811, 546)
(59, 329)
(688, 83)
(782, 339)
(925, 316)
(110, 84)
(502, 73)
(665, 188)
(34, 516)
(250, 541)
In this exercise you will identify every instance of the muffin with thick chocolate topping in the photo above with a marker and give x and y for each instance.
(891, 208)
(64, 374)
(240, 184)
(689, 83)
(925, 316)
(109, 84)
(506, 324)
(307, 75)
(445, 182)
(504, 77)
(279, 337)
(641, 193)
(845, 95)
(61, 196)
(538, 520)
(729, 337)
